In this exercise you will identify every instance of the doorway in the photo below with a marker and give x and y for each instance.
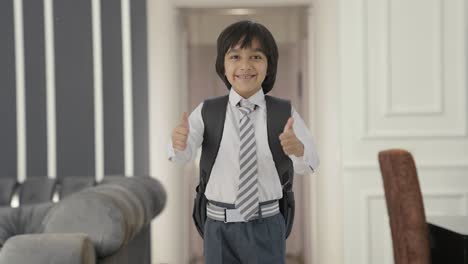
(289, 27)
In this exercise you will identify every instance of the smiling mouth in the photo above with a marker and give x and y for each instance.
(245, 76)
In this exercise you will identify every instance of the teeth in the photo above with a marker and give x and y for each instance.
(245, 76)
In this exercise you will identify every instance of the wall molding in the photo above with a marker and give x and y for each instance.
(20, 91)
(127, 87)
(438, 107)
(369, 165)
(369, 133)
(369, 196)
(98, 91)
(50, 88)
(366, 198)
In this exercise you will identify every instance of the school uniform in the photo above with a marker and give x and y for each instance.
(261, 239)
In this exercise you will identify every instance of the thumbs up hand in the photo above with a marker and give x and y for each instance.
(290, 143)
(180, 133)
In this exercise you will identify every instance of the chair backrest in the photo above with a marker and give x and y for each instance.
(405, 207)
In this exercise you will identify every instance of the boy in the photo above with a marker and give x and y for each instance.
(244, 223)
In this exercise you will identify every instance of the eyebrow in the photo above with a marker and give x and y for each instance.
(238, 50)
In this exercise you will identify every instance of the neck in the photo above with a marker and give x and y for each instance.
(247, 95)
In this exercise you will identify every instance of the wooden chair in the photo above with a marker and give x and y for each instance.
(405, 207)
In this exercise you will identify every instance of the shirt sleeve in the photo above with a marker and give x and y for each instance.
(308, 163)
(194, 141)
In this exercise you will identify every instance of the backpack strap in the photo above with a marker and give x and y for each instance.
(278, 113)
(213, 114)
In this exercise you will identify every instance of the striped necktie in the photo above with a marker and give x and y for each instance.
(247, 195)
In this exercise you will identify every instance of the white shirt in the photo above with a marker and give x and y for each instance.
(224, 178)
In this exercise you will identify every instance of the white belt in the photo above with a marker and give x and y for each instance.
(233, 215)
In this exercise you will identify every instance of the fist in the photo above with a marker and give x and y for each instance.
(290, 143)
(180, 133)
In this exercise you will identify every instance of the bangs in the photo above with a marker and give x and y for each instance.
(245, 36)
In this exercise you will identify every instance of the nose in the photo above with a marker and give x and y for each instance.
(245, 65)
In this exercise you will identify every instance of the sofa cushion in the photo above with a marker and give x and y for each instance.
(7, 187)
(22, 220)
(91, 213)
(7, 224)
(36, 190)
(73, 184)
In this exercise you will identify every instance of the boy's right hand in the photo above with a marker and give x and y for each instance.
(180, 134)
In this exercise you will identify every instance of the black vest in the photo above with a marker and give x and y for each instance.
(214, 115)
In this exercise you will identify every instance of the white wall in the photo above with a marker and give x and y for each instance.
(166, 102)
(403, 84)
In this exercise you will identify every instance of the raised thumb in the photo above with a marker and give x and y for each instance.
(289, 124)
(184, 120)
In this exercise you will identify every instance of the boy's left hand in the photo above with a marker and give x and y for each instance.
(290, 143)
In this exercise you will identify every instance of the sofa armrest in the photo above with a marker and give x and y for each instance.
(111, 214)
(48, 249)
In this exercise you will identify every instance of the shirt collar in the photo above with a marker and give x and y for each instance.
(258, 98)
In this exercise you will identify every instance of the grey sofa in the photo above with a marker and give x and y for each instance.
(104, 223)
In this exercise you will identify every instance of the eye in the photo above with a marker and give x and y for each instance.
(234, 57)
(257, 57)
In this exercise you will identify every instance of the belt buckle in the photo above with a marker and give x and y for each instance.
(232, 215)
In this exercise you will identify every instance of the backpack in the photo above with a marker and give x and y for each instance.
(214, 115)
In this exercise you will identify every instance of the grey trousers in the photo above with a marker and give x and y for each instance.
(255, 242)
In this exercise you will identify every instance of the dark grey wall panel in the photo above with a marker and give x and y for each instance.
(112, 87)
(35, 88)
(74, 87)
(8, 150)
(140, 87)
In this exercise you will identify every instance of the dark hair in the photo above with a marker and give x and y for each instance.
(246, 31)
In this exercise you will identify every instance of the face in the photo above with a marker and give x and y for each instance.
(245, 68)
